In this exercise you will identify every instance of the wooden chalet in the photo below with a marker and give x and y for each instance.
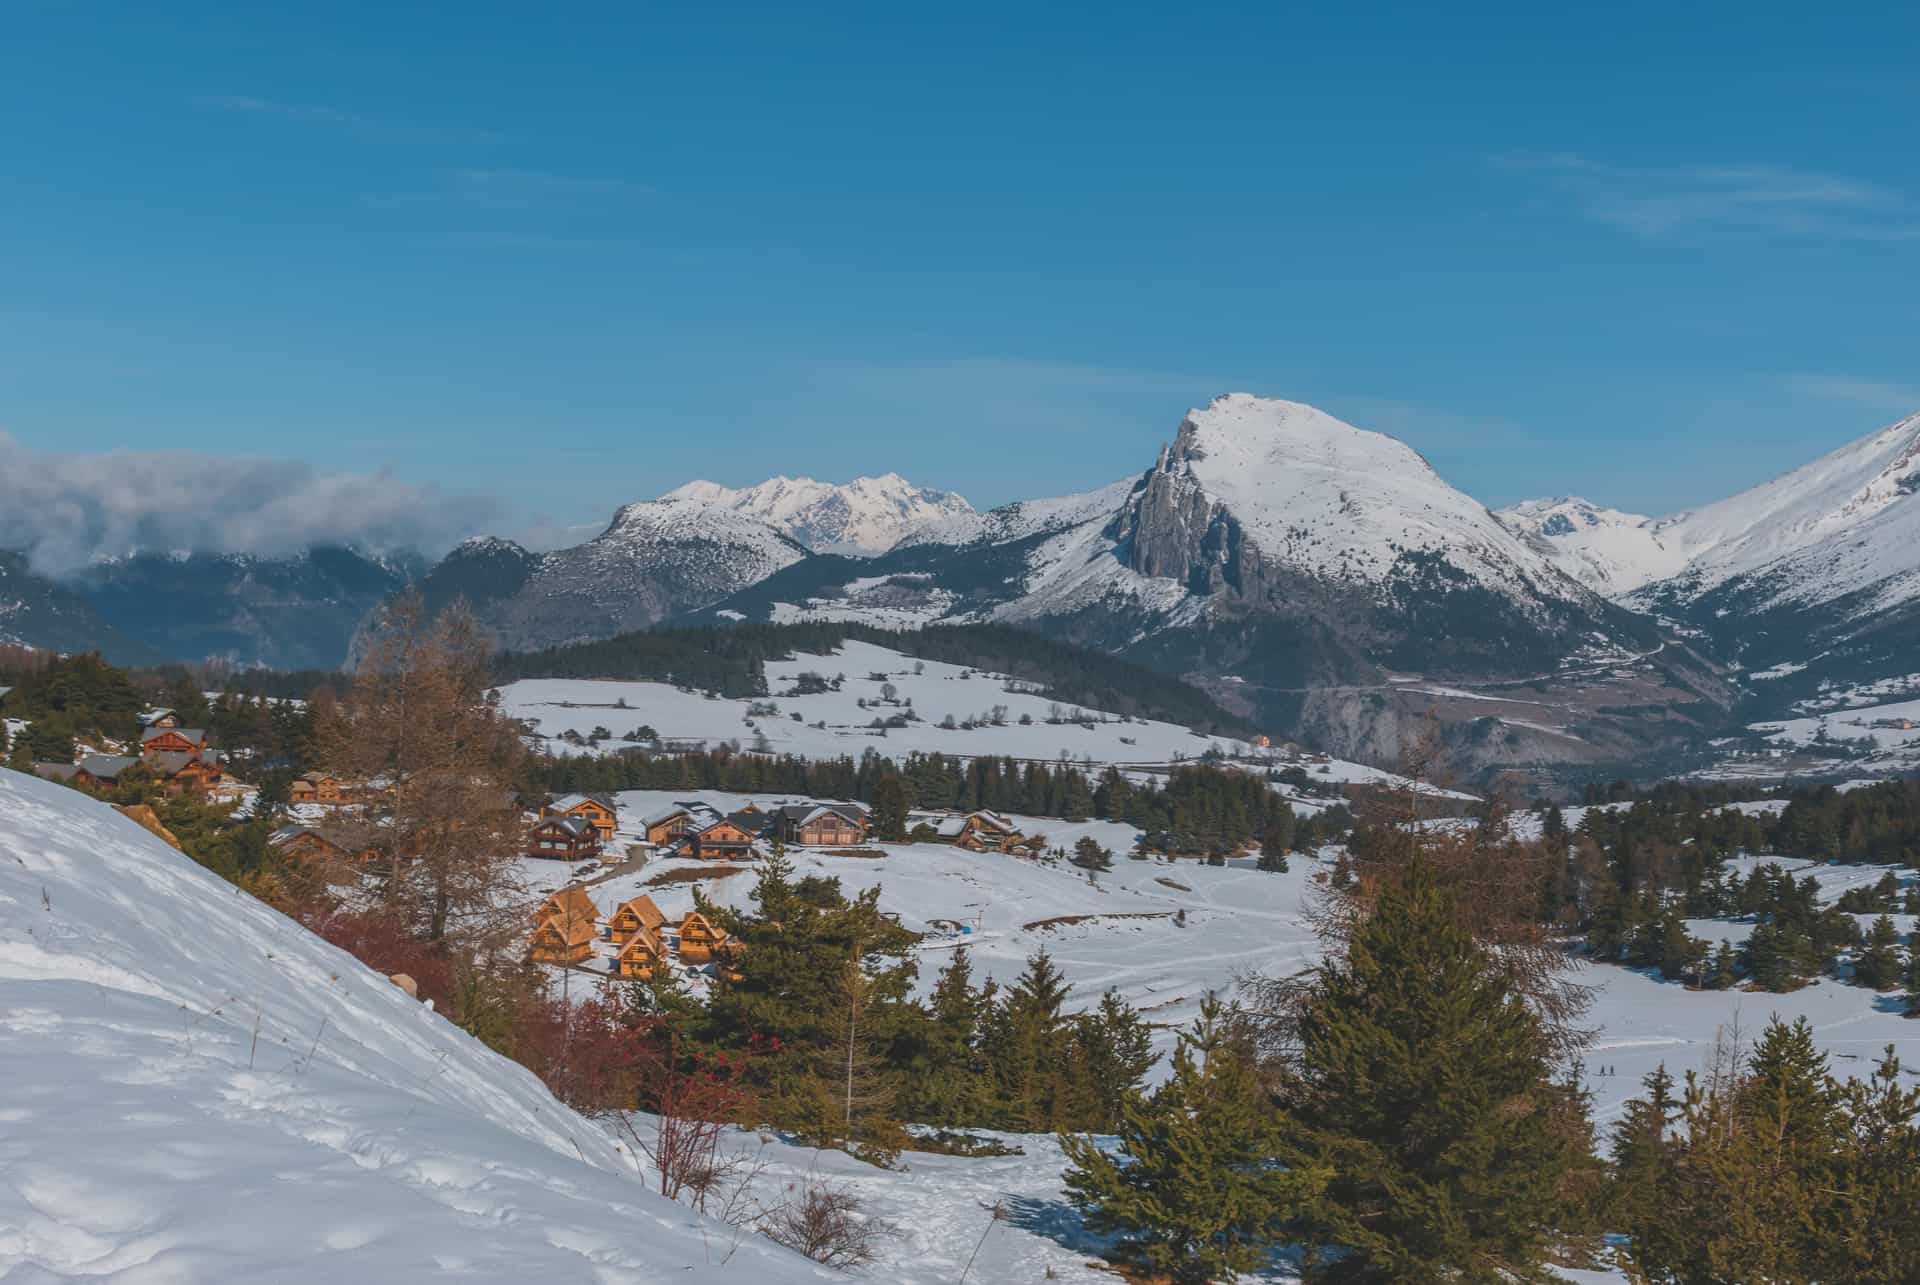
(559, 939)
(304, 844)
(699, 939)
(564, 839)
(595, 809)
(571, 903)
(315, 787)
(822, 825)
(642, 952)
(668, 824)
(173, 740)
(159, 718)
(636, 915)
(988, 832)
(729, 837)
(197, 772)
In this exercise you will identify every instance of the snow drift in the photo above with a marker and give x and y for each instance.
(198, 1089)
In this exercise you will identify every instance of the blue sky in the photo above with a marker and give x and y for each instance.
(577, 255)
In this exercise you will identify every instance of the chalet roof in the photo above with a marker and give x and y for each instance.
(3, 692)
(745, 825)
(574, 827)
(662, 815)
(288, 833)
(567, 803)
(106, 766)
(169, 762)
(574, 932)
(644, 910)
(993, 819)
(573, 903)
(645, 937)
(755, 822)
(56, 771)
(194, 734)
(315, 777)
(147, 719)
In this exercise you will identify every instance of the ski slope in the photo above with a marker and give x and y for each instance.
(197, 1089)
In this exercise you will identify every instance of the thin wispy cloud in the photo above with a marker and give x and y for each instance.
(1886, 396)
(1671, 202)
(372, 128)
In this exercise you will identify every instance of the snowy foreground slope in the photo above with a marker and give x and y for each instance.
(196, 1089)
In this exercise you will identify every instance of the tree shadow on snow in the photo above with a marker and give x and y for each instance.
(1060, 1222)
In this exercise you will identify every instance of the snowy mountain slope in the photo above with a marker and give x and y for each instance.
(198, 1089)
(866, 516)
(1847, 522)
(1025, 518)
(657, 558)
(1610, 552)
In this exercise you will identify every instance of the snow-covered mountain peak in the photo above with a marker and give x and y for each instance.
(1319, 495)
(1236, 431)
(1609, 551)
(866, 516)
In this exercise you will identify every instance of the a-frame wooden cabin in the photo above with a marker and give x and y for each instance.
(633, 916)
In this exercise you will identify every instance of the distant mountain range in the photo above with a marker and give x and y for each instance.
(864, 517)
(1307, 573)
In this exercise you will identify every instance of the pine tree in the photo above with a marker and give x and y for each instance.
(1197, 1196)
(1878, 965)
(1423, 1084)
(890, 808)
(1726, 972)
(1913, 979)
(1641, 1151)
(1027, 1036)
(1112, 1051)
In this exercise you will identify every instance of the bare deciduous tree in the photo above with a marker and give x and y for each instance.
(436, 765)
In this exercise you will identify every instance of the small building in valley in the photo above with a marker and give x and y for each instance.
(641, 953)
(173, 740)
(634, 915)
(561, 940)
(314, 787)
(822, 825)
(564, 838)
(596, 809)
(699, 939)
(571, 902)
(721, 840)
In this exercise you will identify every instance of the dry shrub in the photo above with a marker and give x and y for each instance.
(823, 1220)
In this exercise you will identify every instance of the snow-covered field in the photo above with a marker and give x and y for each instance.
(1889, 734)
(931, 690)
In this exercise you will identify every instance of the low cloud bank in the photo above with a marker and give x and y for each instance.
(66, 510)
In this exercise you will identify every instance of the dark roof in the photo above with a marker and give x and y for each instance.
(287, 832)
(169, 762)
(56, 771)
(751, 822)
(107, 766)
